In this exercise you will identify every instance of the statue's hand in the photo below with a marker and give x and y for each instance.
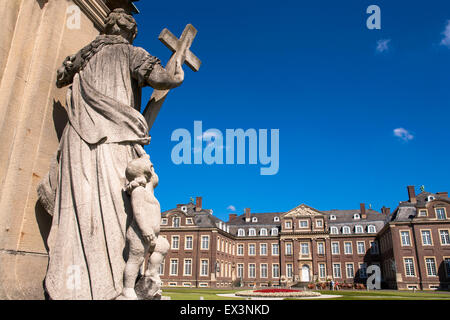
(149, 238)
(179, 72)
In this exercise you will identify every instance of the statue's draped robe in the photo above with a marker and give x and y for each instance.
(91, 210)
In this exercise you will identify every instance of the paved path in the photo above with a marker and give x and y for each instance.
(232, 295)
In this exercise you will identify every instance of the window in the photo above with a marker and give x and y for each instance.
(164, 221)
(252, 270)
(334, 230)
(288, 225)
(362, 270)
(275, 249)
(348, 248)
(426, 237)
(241, 232)
(423, 213)
(319, 223)
(431, 267)
(240, 249)
(288, 247)
(205, 243)
(406, 240)
(440, 214)
(263, 270)
(175, 242)
(346, 230)
(447, 266)
(289, 270)
(174, 267)
(187, 267)
(356, 217)
(359, 229)
(276, 270)
(361, 247)
(304, 249)
(251, 232)
(263, 232)
(204, 268)
(276, 219)
(374, 247)
(240, 270)
(409, 267)
(332, 217)
(335, 248)
(371, 229)
(263, 249)
(251, 249)
(350, 271)
(188, 243)
(303, 223)
(320, 248)
(274, 231)
(176, 222)
(189, 221)
(322, 271)
(161, 268)
(218, 243)
(336, 270)
(445, 239)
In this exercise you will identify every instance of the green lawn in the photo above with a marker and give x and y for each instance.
(211, 294)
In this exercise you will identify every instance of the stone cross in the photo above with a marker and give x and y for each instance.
(181, 50)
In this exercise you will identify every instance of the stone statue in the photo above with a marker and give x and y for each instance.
(84, 190)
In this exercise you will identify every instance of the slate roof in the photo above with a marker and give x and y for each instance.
(407, 210)
(345, 218)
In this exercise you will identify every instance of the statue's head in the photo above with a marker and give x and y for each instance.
(119, 22)
(140, 171)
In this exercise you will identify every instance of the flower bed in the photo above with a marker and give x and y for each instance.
(277, 293)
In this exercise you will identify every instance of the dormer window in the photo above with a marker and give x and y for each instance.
(356, 216)
(371, 229)
(334, 230)
(276, 219)
(254, 219)
(332, 217)
(184, 209)
(241, 232)
(252, 232)
(430, 198)
(263, 232)
(346, 230)
(423, 213)
(359, 229)
(274, 231)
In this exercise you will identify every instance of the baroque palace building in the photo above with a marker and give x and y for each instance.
(305, 245)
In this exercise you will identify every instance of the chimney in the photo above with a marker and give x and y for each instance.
(198, 203)
(386, 211)
(232, 216)
(442, 194)
(247, 214)
(363, 211)
(412, 194)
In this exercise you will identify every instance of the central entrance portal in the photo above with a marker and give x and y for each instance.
(305, 273)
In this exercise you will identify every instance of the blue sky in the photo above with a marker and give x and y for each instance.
(312, 70)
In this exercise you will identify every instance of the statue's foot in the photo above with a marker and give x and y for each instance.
(128, 294)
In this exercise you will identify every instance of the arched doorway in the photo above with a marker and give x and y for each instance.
(305, 274)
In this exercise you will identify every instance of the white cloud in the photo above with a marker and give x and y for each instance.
(446, 40)
(231, 208)
(383, 45)
(403, 134)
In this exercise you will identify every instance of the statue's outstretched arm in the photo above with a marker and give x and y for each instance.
(161, 79)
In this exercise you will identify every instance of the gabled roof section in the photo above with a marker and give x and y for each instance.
(302, 210)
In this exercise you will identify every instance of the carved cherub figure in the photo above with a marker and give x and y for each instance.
(144, 229)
